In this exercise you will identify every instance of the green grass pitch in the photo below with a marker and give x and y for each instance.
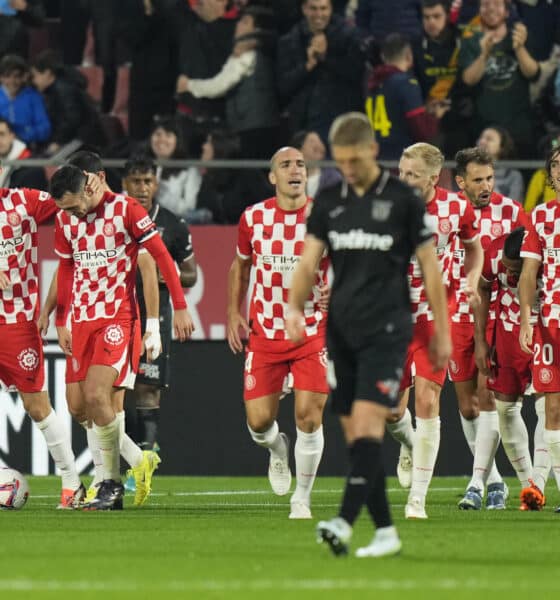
(231, 538)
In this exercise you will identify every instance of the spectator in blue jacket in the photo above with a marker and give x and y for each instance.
(20, 104)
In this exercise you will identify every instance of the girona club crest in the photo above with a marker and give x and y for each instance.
(114, 335)
(109, 229)
(445, 226)
(250, 382)
(545, 375)
(28, 359)
(14, 219)
(497, 230)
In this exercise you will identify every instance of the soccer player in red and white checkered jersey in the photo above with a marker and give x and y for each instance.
(541, 262)
(507, 367)
(98, 236)
(496, 215)
(271, 237)
(449, 216)
(21, 353)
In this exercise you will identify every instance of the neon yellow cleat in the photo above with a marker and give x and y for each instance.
(143, 476)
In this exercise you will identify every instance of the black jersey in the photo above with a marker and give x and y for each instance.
(177, 239)
(370, 240)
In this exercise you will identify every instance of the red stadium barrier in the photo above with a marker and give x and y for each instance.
(214, 250)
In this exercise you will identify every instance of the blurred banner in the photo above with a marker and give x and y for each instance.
(214, 247)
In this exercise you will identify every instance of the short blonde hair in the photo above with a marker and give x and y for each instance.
(351, 129)
(432, 156)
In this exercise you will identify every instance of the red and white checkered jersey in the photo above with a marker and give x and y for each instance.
(448, 216)
(273, 239)
(21, 211)
(500, 216)
(508, 310)
(103, 247)
(543, 243)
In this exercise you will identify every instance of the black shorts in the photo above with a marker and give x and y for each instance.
(157, 372)
(370, 370)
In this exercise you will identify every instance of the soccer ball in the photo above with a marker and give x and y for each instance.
(14, 489)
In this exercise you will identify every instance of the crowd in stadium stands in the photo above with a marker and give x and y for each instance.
(218, 79)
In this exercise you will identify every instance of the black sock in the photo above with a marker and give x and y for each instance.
(377, 503)
(147, 427)
(364, 464)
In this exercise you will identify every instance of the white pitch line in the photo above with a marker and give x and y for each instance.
(258, 492)
(288, 585)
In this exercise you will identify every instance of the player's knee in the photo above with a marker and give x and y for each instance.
(94, 395)
(469, 412)
(37, 407)
(395, 417)
(260, 422)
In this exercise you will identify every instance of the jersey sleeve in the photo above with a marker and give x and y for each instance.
(138, 222)
(62, 245)
(40, 204)
(419, 229)
(531, 246)
(317, 224)
(244, 243)
(468, 229)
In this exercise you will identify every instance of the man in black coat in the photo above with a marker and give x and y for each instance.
(320, 68)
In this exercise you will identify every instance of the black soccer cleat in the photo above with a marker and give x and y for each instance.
(109, 496)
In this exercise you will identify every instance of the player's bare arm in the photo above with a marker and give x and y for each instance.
(238, 284)
(302, 282)
(474, 259)
(527, 292)
(481, 348)
(151, 342)
(4, 281)
(48, 307)
(187, 272)
(440, 345)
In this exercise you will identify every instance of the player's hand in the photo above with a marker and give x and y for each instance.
(518, 35)
(440, 350)
(324, 297)
(235, 323)
(473, 297)
(482, 357)
(526, 338)
(43, 323)
(93, 184)
(4, 281)
(182, 84)
(151, 342)
(183, 325)
(311, 58)
(65, 340)
(487, 42)
(295, 325)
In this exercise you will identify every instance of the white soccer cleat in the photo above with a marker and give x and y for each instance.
(336, 533)
(404, 468)
(279, 473)
(386, 542)
(300, 510)
(415, 509)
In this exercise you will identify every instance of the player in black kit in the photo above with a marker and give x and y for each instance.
(140, 182)
(370, 224)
